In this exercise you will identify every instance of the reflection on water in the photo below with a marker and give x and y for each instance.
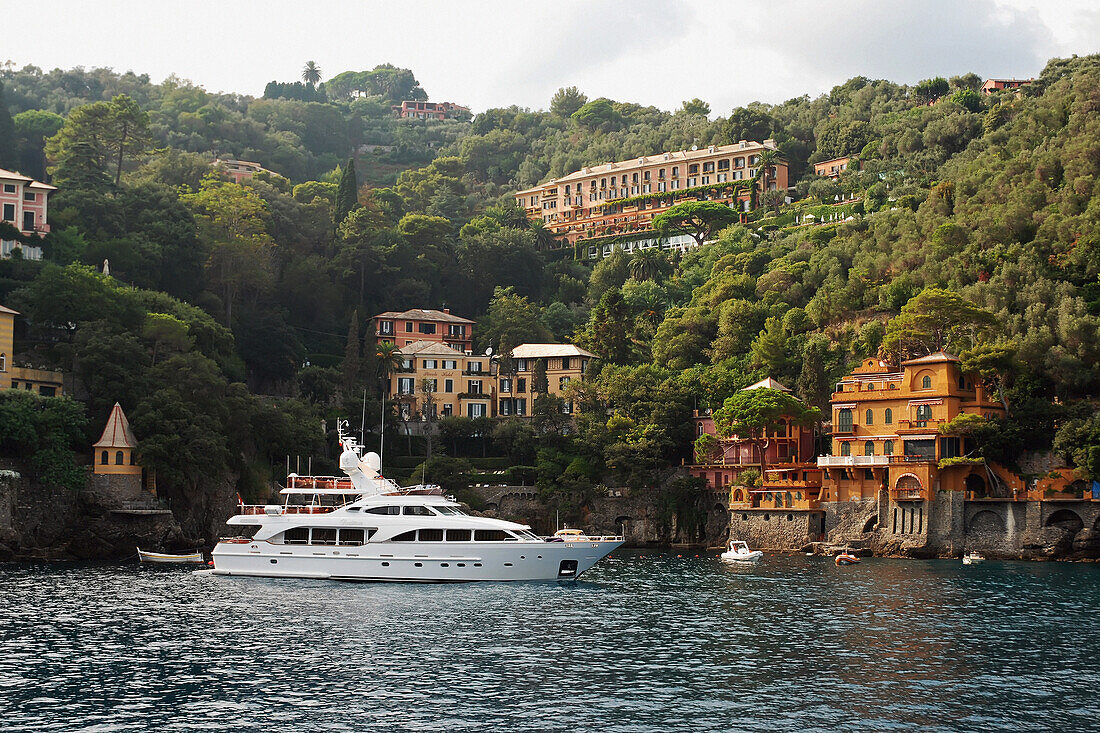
(645, 642)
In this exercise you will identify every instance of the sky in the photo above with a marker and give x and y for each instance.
(490, 54)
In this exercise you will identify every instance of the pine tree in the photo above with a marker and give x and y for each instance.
(347, 195)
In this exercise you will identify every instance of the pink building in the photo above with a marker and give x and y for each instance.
(430, 110)
(996, 85)
(23, 206)
(425, 324)
(789, 447)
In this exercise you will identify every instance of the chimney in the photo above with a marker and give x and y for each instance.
(447, 310)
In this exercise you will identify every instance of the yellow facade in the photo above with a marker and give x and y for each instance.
(459, 384)
(113, 453)
(886, 431)
(45, 382)
(515, 383)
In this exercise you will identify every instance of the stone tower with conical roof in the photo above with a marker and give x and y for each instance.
(113, 453)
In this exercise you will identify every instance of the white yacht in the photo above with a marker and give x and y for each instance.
(365, 527)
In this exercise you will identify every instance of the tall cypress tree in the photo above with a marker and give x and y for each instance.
(7, 133)
(347, 195)
(350, 367)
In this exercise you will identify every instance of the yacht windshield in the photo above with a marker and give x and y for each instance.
(449, 510)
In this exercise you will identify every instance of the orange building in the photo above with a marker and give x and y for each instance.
(623, 197)
(832, 168)
(887, 433)
(239, 170)
(424, 324)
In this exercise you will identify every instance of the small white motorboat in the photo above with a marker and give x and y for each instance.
(973, 558)
(846, 558)
(739, 551)
(191, 557)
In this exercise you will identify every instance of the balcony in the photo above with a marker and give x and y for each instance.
(475, 373)
(844, 429)
(931, 425)
(853, 461)
(909, 494)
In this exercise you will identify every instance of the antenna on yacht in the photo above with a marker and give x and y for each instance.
(382, 433)
(363, 419)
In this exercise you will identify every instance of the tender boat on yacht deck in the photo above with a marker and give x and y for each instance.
(365, 527)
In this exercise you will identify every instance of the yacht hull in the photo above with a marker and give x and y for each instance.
(414, 562)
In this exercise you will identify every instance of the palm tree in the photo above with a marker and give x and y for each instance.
(766, 162)
(648, 264)
(311, 74)
(544, 237)
(389, 361)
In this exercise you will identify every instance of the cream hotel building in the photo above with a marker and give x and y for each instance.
(623, 197)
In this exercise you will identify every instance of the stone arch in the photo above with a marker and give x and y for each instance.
(490, 507)
(975, 482)
(1066, 519)
(721, 508)
(908, 481)
(919, 380)
(986, 522)
(738, 495)
(871, 524)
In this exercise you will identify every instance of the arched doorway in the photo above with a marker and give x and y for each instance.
(1065, 519)
(976, 485)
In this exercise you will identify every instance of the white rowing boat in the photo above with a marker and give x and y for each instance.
(192, 557)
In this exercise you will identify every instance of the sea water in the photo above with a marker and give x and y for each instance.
(646, 641)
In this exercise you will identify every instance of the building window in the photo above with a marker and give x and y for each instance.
(888, 416)
(3, 362)
(675, 171)
(28, 221)
(119, 460)
(9, 212)
(845, 449)
(924, 412)
(103, 458)
(724, 165)
(475, 410)
(888, 448)
(693, 169)
(505, 407)
(448, 385)
(506, 386)
(521, 385)
(870, 418)
(427, 328)
(844, 420)
(708, 167)
(405, 385)
(926, 382)
(869, 448)
(430, 363)
(386, 327)
(408, 326)
(474, 386)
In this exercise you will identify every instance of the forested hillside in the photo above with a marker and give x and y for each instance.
(235, 316)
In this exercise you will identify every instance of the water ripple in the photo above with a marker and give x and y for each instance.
(647, 642)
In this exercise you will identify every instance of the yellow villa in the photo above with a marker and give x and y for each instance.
(43, 381)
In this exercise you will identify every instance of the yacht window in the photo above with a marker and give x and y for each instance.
(492, 535)
(459, 535)
(431, 535)
(296, 536)
(418, 511)
(322, 536)
(450, 511)
(353, 508)
(351, 536)
(529, 536)
(409, 536)
(383, 510)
